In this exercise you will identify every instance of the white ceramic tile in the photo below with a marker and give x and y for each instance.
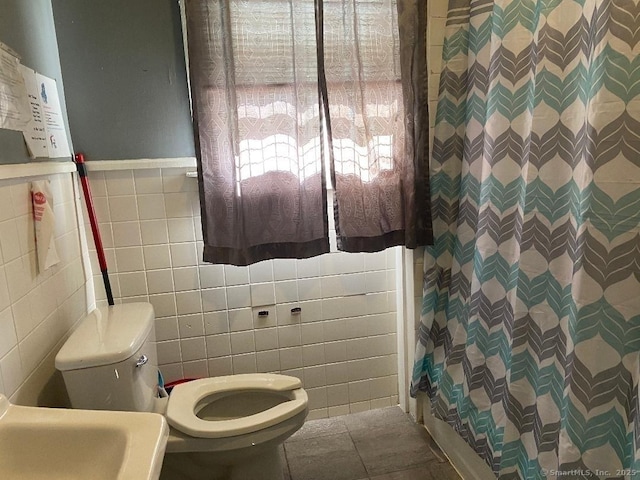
(264, 321)
(314, 376)
(146, 180)
(359, 391)
(186, 279)
(156, 256)
(168, 352)
(240, 319)
(236, 275)
(266, 339)
(357, 407)
(126, 234)
(343, 285)
(183, 254)
(9, 241)
(381, 402)
(238, 297)
(6, 212)
(35, 347)
(338, 410)
(376, 281)
(164, 305)
(311, 311)
(151, 207)
(176, 180)
(5, 299)
(338, 394)
(211, 276)
(362, 369)
(218, 345)
(242, 342)
(337, 373)
(123, 208)
(289, 336)
(132, 284)
(286, 291)
(377, 303)
(312, 332)
(244, 363)
(188, 302)
(154, 232)
(358, 348)
(129, 259)
(191, 326)
(284, 314)
(290, 358)
(317, 397)
(178, 205)
(268, 361)
(335, 351)
(335, 329)
(261, 272)
(284, 269)
(196, 369)
(8, 338)
(181, 230)
(313, 354)
(172, 372)
(310, 289)
(220, 366)
(166, 329)
(193, 349)
(12, 373)
(375, 261)
(262, 294)
(308, 267)
(25, 227)
(216, 322)
(213, 299)
(119, 182)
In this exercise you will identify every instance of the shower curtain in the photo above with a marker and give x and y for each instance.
(530, 328)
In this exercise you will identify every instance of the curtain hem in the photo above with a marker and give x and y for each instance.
(246, 256)
(375, 244)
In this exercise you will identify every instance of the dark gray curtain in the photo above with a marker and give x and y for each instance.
(376, 82)
(268, 98)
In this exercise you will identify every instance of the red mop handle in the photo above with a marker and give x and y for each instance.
(82, 171)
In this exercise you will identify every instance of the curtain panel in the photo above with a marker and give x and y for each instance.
(530, 329)
(288, 95)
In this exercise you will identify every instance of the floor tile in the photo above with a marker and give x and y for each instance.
(285, 465)
(328, 457)
(376, 418)
(319, 428)
(390, 448)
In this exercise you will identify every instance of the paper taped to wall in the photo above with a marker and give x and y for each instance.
(44, 220)
(14, 108)
(35, 132)
(57, 144)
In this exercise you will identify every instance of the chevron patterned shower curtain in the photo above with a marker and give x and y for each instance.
(530, 330)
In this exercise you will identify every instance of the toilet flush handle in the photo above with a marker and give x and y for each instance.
(141, 361)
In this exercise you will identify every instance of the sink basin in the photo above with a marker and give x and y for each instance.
(51, 443)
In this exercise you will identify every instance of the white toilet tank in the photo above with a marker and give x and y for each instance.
(110, 361)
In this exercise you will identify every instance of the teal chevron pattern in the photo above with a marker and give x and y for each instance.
(530, 325)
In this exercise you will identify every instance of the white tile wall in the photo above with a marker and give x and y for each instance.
(342, 344)
(37, 310)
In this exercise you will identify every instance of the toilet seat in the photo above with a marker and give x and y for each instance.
(181, 408)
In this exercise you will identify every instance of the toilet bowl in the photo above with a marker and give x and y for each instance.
(227, 427)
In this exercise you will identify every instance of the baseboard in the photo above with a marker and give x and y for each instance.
(466, 462)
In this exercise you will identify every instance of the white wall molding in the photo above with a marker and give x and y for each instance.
(140, 163)
(35, 169)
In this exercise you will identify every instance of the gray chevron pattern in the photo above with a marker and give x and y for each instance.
(530, 331)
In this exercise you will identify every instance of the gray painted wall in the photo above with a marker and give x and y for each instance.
(27, 27)
(125, 78)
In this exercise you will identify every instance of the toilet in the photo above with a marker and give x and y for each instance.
(227, 427)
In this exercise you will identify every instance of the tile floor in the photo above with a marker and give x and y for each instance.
(382, 444)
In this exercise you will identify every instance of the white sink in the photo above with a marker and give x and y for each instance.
(54, 444)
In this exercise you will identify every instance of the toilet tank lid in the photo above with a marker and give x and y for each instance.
(107, 335)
